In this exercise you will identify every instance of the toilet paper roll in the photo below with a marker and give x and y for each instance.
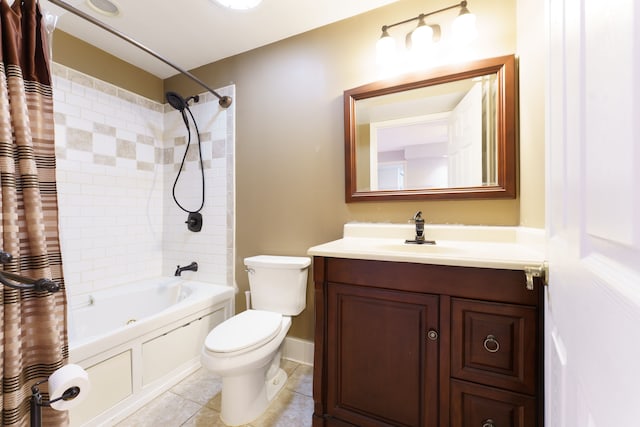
(64, 380)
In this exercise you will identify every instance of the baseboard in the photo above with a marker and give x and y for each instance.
(298, 350)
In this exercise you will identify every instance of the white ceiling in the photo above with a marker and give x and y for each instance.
(191, 33)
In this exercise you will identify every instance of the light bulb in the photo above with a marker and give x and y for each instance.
(385, 48)
(421, 37)
(464, 26)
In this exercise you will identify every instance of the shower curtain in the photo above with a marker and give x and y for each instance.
(33, 336)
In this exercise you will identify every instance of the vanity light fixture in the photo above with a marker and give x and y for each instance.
(424, 35)
(239, 4)
(464, 26)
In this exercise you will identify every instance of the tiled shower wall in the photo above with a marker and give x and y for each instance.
(118, 155)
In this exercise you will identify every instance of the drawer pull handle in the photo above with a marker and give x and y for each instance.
(488, 423)
(432, 334)
(492, 346)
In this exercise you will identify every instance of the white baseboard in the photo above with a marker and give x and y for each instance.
(298, 350)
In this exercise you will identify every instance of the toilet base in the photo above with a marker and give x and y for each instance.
(246, 397)
(276, 384)
(250, 380)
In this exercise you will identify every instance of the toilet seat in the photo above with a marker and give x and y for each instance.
(244, 332)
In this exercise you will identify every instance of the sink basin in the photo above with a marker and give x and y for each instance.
(411, 248)
(481, 246)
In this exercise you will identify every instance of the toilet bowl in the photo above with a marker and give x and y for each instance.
(245, 350)
(250, 365)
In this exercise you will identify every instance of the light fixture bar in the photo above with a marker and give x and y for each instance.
(424, 15)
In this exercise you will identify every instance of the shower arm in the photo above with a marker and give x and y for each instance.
(224, 101)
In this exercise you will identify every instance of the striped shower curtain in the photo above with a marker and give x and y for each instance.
(33, 333)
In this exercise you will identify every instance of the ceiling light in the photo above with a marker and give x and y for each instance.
(105, 7)
(239, 4)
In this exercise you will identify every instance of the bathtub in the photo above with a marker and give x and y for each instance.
(138, 340)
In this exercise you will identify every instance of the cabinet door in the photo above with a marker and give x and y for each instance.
(382, 359)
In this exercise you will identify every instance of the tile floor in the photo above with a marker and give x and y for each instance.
(195, 402)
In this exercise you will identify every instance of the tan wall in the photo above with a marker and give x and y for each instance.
(290, 152)
(289, 145)
(532, 112)
(83, 57)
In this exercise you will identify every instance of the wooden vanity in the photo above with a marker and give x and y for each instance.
(420, 344)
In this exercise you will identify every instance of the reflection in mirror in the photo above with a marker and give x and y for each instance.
(449, 136)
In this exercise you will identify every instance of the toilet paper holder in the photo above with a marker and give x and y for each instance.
(37, 402)
(22, 283)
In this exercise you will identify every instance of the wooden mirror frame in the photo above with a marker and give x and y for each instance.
(505, 68)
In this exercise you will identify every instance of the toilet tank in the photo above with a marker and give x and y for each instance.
(278, 283)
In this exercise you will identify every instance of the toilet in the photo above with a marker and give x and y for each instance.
(245, 349)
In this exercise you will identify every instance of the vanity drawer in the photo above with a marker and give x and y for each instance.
(481, 406)
(494, 344)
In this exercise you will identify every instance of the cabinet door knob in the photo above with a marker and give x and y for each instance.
(491, 344)
(432, 335)
(488, 423)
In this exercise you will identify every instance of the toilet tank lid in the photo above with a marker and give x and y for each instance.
(277, 261)
(247, 329)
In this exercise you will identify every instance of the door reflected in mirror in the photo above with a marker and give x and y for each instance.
(447, 134)
(446, 139)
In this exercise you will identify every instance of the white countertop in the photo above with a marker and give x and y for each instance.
(469, 246)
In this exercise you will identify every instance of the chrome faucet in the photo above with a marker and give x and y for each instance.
(419, 239)
(191, 267)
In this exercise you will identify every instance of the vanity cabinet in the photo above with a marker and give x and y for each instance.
(410, 344)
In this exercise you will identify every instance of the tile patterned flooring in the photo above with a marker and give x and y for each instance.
(195, 402)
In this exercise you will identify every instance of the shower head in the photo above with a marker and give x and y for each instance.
(176, 101)
(179, 103)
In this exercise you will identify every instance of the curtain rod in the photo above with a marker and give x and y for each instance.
(224, 101)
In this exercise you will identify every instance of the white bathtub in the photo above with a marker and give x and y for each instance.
(138, 340)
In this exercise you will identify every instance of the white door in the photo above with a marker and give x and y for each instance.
(592, 335)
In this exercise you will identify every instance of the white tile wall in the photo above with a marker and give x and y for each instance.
(117, 157)
(181, 246)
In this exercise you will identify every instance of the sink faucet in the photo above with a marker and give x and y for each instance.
(419, 221)
(191, 267)
(419, 239)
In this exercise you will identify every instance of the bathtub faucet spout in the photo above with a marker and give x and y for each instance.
(191, 267)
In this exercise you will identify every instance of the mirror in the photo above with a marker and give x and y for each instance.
(449, 133)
